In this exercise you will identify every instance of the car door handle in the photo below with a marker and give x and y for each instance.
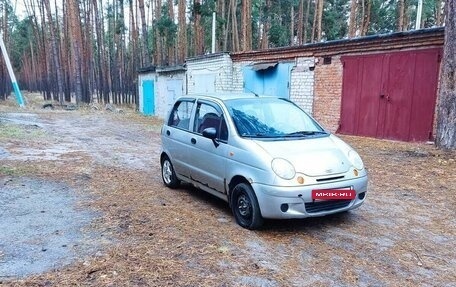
(193, 141)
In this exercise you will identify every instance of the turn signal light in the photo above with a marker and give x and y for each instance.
(355, 172)
(300, 180)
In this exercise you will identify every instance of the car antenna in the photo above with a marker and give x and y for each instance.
(249, 90)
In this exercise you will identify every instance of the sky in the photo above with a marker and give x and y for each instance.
(21, 12)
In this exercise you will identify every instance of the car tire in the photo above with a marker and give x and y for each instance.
(245, 207)
(168, 174)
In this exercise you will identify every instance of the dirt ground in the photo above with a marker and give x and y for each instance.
(82, 203)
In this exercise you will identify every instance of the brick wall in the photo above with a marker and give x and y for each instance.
(238, 77)
(219, 67)
(328, 93)
(302, 83)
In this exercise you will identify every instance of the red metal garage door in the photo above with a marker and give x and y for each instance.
(390, 95)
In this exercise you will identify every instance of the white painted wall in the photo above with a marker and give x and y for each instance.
(302, 84)
(209, 74)
(168, 88)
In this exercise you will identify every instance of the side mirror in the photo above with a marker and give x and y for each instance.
(211, 133)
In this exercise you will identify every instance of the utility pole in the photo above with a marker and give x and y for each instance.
(17, 92)
(213, 33)
(419, 11)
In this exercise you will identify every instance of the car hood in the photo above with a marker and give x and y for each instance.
(312, 157)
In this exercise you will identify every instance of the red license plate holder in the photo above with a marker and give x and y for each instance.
(333, 194)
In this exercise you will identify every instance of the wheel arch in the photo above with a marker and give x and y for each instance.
(233, 182)
(163, 155)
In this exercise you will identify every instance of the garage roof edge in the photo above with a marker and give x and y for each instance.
(417, 38)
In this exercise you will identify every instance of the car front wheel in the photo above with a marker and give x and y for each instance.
(245, 207)
(168, 174)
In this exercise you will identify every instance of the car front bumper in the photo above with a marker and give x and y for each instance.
(296, 202)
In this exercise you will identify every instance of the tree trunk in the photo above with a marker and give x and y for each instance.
(292, 34)
(401, 15)
(438, 12)
(171, 47)
(145, 45)
(366, 18)
(55, 52)
(352, 19)
(266, 27)
(220, 29)
(158, 51)
(47, 82)
(246, 25)
(134, 54)
(320, 20)
(87, 64)
(314, 23)
(446, 118)
(182, 34)
(318, 17)
(76, 46)
(66, 55)
(99, 50)
(198, 28)
(300, 21)
(306, 20)
(227, 28)
(234, 30)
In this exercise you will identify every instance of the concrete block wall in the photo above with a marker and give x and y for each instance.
(238, 77)
(219, 66)
(328, 93)
(302, 83)
(163, 98)
(160, 96)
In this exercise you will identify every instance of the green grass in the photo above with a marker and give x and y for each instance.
(11, 171)
(8, 131)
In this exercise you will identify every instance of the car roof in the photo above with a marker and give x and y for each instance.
(224, 96)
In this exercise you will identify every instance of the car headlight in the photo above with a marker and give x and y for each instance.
(283, 168)
(355, 159)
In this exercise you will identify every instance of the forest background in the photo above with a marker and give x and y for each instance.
(90, 51)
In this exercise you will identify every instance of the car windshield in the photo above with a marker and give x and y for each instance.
(271, 118)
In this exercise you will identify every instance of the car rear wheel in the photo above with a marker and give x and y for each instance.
(168, 174)
(245, 207)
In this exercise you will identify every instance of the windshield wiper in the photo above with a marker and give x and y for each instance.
(259, 135)
(305, 133)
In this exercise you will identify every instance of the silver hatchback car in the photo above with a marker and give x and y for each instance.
(265, 156)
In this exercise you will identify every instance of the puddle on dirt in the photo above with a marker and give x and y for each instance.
(21, 119)
(41, 227)
(3, 153)
(51, 153)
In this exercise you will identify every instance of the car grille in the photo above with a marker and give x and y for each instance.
(319, 206)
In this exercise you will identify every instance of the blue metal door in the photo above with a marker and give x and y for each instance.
(272, 81)
(253, 81)
(148, 98)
